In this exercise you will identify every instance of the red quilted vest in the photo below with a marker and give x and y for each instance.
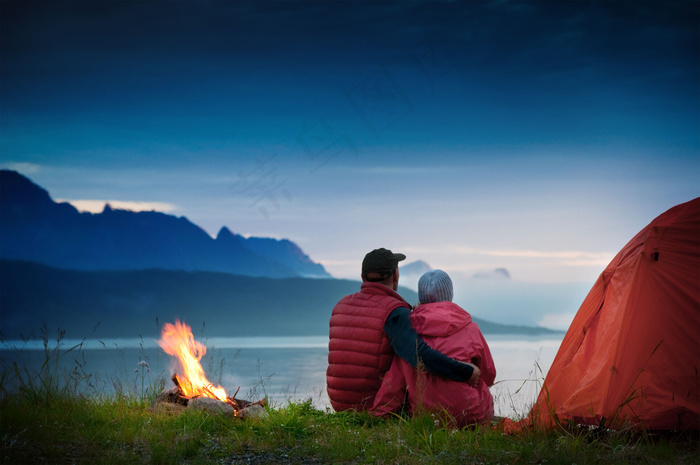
(359, 352)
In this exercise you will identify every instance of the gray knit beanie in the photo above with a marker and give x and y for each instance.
(435, 286)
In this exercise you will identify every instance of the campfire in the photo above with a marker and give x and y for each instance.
(192, 388)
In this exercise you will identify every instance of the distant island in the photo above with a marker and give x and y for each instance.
(496, 274)
(414, 269)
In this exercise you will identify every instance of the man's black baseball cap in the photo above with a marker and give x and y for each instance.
(382, 261)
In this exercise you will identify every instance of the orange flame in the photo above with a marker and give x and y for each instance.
(178, 340)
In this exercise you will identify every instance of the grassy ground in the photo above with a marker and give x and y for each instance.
(44, 418)
(75, 429)
(47, 423)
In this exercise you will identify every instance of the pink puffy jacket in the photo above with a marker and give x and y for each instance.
(446, 327)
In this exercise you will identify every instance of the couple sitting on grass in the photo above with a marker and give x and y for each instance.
(385, 357)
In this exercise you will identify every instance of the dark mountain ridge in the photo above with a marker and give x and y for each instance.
(35, 228)
(127, 303)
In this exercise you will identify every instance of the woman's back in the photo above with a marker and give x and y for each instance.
(446, 327)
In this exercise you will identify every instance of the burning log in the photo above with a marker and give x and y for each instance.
(238, 404)
(232, 406)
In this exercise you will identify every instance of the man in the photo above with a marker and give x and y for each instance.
(366, 330)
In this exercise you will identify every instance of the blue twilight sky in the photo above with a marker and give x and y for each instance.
(535, 136)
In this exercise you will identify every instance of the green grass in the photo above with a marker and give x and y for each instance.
(44, 418)
(76, 429)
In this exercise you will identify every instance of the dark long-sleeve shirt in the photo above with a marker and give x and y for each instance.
(408, 345)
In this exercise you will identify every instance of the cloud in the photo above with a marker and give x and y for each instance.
(96, 206)
(598, 263)
(24, 168)
(534, 265)
(557, 320)
(573, 257)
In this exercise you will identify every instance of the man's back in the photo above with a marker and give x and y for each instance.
(359, 350)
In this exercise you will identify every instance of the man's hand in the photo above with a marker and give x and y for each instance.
(475, 376)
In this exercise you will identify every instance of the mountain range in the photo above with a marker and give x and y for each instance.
(126, 271)
(37, 229)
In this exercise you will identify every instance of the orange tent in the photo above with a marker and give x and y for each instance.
(632, 353)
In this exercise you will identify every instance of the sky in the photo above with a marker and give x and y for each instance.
(538, 137)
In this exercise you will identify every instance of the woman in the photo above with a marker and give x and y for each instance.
(446, 327)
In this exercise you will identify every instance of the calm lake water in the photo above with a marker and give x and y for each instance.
(283, 368)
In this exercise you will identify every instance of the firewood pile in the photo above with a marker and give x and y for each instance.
(174, 399)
